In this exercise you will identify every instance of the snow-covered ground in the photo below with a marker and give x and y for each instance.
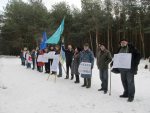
(28, 91)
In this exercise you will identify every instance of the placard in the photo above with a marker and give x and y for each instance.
(40, 58)
(122, 60)
(85, 68)
(55, 63)
(51, 55)
(45, 57)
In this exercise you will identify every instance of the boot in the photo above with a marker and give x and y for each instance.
(88, 83)
(67, 77)
(72, 76)
(85, 83)
(77, 79)
(130, 99)
(59, 75)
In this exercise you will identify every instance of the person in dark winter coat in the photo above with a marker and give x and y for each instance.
(103, 59)
(127, 75)
(75, 64)
(69, 55)
(87, 56)
(33, 55)
(47, 64)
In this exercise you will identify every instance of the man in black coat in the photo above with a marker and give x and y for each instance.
(69, 55)
(127, 75)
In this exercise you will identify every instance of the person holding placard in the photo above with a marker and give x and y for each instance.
(57, 52)
(127, 75)
(103, 60)
(51, 57)
(40, 63)
(87, 56)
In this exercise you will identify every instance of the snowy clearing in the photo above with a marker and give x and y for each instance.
(28, 91)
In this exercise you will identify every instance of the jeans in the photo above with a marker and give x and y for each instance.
(127, 79)
(104, 79)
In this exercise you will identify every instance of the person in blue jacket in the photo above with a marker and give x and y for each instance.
(87, 56)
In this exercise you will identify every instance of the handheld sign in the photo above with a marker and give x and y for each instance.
(55, 63)
(122, 60)
(85, 68)
(51, 55)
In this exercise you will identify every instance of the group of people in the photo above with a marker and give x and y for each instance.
(74, 57)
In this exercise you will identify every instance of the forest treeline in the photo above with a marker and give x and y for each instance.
(106, 21)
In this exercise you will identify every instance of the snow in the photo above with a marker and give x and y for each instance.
(29, 91)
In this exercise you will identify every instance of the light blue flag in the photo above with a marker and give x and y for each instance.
(62, 56)
(43, 45)
(54, 39)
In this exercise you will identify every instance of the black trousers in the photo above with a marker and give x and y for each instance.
(68, 65)
(33, 61)
(47, 67)
(127, 78)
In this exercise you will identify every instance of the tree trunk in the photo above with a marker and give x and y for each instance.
(142, 40)
(91, 40)
(108, 38)
(111, 40)
(96, 41)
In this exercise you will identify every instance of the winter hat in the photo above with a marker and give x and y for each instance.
(103, 44)
(123, 40)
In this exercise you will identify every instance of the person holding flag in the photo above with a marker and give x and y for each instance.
(69, 52)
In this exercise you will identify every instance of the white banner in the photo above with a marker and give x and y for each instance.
(45, 57)
(122, 60)
(40, 58)
(85, 68)
(51, 55)
(55, 63)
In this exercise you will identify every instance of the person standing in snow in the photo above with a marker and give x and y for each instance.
(21, 56)
(50, 61)
(69, 55)
(57, 52)
(103, 60)
(33, 55)
(40, 64)
(127, 75)
(47, 64)
(28, 59)
(75, 64)
(87, 56)
(149, 63)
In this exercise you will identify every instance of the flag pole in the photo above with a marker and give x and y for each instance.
(110, 84)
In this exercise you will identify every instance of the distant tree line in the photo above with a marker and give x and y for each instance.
(106, 21)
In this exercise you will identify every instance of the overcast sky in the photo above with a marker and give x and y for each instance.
(48, 3)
